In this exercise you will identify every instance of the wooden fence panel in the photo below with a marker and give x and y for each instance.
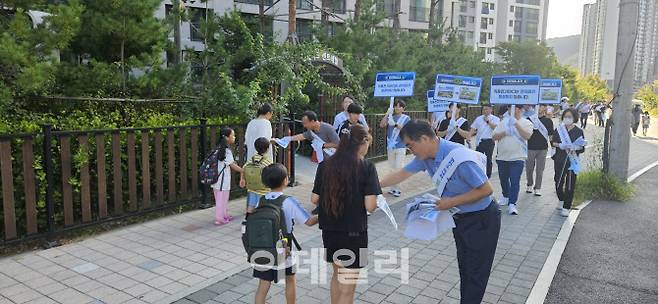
(8, 207)
(159, 186)
(194, 142)
(85, 187)
(171, 166)
(132, 174)
(146, 172)
(29, 186)
(100, 175)
(67, 188)
(182, 148)
(117, 176)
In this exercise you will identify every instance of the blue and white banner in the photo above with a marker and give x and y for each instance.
(395, 84)
(435, 105)
(514, 89)
(550, 91)
(461, 89)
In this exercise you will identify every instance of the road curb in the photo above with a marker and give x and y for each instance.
(543, 283)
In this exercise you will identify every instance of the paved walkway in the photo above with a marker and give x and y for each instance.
(168, 259)
(616, 263)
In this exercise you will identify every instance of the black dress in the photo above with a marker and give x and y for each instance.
(345, 237)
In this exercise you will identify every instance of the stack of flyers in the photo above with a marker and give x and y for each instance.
(424, 221)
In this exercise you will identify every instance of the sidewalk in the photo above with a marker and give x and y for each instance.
(168, 259)
(612, 255)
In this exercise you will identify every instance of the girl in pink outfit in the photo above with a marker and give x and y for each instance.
(222, 188)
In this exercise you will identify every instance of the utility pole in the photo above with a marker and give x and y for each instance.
(621, 113)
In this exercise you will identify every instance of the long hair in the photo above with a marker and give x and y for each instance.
(343, 171)
(224, 133)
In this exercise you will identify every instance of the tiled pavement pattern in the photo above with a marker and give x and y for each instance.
(155, 262)
(524, 244)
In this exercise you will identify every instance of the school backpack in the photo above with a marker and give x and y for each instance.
(264, 231)
(252, 173)
(209, 172)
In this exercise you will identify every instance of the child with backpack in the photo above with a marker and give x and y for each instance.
(268, 231)
(225, 163)
(252, 171)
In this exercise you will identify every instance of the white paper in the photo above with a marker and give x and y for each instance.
(383, 205)
(329, 151)
(424, 222)
(317, 147)
(283, 142)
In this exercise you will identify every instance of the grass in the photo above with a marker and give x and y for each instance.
(594, 184)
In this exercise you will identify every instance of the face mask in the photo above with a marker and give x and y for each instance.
(568, 121)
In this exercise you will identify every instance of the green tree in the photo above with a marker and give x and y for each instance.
(591, 88)
(528, 57)
(649, 96)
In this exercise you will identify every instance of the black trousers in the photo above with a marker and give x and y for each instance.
(565, 183)
(634, 127)
(583, 120)
(476, 239)
(486, 146)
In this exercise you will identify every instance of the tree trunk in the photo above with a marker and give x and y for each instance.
(177, 42)
(261, 16)
(324, 17)
(357, 10)
(396, 15)
(432, 21)
(292, 21)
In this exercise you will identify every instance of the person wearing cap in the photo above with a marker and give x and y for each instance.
(343, 116)
(564, 104)
(460, 176)
(354, 112)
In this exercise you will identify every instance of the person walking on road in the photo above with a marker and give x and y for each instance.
(345, 189)
(393, 121)
(478, 219)
(635, 119)
(646, 121)
(512, 135)
(257, 128)
(537, 148)
(345, 115)
(483, 127)
(584, 110)
(568, 141)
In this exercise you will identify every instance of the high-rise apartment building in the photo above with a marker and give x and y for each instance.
(479, 23)
(646, 46)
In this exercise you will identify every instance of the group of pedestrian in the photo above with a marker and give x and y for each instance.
(346, 185)
(640, 117)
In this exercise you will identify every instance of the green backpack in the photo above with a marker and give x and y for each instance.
(264, 230)
(252, 173)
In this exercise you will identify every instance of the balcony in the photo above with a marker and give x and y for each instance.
(419, 14)
(255, 2)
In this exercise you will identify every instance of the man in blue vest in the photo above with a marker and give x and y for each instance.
(461, 179)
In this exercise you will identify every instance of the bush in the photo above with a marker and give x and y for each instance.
(595, 184)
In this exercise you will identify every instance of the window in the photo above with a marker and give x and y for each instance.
(385, 6)
(483, 23)
(304, 30)
(491, 6)
(485, 8)
(460, 35)
(489, 51)
(531, 2)
(517, 26)
(333, 28)
(483, 38)
(518, 13)
(509, 37)
(531, 27)
(471, 19)
(471, 4)
(511, 23)
(304, 5)
(462, 21)
(470, 35)
(338, 6)
(491, 21)
(482, 49)
(252, 22)
(532, 14)
(517, 38)
(255, 2)
(511, 9)
(419, 10)
(197, 17)
(463, 8)
(490, 36)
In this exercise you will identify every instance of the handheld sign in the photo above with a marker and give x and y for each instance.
(514, 89)
(395, 84)
(435, 105)
(550, 91)
(457, 89)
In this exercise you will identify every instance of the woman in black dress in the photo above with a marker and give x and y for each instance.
(345, 188)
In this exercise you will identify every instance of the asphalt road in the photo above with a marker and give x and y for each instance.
(612, 255)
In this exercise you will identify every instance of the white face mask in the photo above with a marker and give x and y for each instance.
(568, 121)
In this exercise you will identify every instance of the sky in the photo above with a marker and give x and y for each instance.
(565, 17)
